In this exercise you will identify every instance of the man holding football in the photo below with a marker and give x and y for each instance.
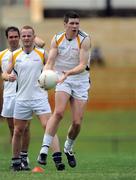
(28, 63)
(69, 56)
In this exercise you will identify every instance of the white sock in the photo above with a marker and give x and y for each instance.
(68, 144)
(47, 140)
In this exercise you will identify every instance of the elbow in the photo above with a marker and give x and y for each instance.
(83, 68)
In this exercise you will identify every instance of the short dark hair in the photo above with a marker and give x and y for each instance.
(70, 14)
(11, 28)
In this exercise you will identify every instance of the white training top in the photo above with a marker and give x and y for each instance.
(28, 68)
(68, 53)
(9, 87)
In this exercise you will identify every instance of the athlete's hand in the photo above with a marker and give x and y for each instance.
(11, 77)
(63, 77)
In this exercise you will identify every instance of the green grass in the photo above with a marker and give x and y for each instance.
(90, 167)
(105, 149)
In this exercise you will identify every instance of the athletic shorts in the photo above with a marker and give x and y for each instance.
(8, 106)
(24, 109)
(78, 89)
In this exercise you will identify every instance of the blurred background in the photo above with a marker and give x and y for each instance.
(111, 109)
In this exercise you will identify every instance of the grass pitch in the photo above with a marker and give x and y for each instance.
(96, 157)
(90, 167)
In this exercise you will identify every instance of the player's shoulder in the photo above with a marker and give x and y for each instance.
(17, 51)
(39, 49)
(4, 51)
(59, 34)
(83, 33)
(40, 52)
(58, 37)
(84, 37)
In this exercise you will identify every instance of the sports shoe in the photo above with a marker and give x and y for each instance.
(60, 166)
(16, 168)
(16, 164)
(58, 161)
(24, 161)
(42, 159)
(25, 165)
(71, 158)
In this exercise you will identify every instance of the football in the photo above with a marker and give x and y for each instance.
(48, 79)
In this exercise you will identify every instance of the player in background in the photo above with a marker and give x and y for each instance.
(9, 92)
(69, 56)
(28, 63)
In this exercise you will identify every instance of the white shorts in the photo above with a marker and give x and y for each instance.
(8, 106)
(25, 109)
(78, 89)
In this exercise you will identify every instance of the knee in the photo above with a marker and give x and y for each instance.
(77, 121)
(18, 131)
(59, 114)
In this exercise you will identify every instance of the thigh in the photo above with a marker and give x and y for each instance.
(44, 118)
(20, 124)
(62, 95)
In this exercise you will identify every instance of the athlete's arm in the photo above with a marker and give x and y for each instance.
(83, 58)
(52, 55)
(8, 75)
(45, 56)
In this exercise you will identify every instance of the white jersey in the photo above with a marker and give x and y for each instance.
(9, 87)
(68, 53)
(28, 68)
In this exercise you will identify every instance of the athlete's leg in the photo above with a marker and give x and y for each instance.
(25, 146)
(55, 146)
(55, 143)
(26, 138)
(19, 128)
(61, 99)
(11, 127)
(77, 108)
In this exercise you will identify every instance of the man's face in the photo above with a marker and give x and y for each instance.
(27, 37)
(13, 39)
(72, 25)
